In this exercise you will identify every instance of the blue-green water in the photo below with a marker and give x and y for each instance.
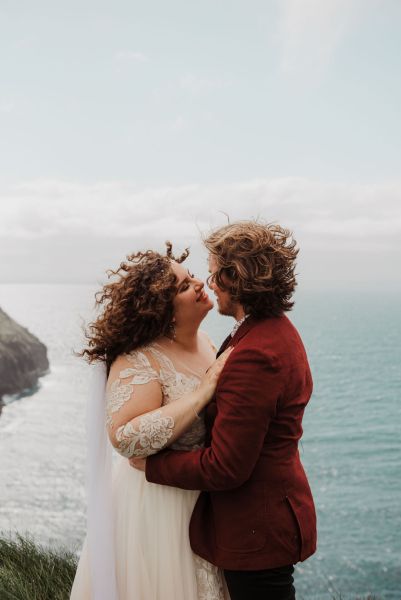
(351, 446)
(352, 439)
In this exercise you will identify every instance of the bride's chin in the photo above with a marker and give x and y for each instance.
(208, 308)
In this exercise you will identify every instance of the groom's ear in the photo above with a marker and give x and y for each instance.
(228, 275)
(231, 273)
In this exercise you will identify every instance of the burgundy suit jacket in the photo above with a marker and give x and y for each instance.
(256, 509)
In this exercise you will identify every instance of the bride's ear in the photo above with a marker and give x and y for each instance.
(171, 327)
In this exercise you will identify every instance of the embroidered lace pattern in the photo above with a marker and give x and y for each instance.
(152, 435)
(209, 580)
(141, 372)
(175, 385)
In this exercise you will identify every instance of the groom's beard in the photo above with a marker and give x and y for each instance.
(226, 308)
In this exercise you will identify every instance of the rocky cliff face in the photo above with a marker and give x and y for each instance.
(23, 358)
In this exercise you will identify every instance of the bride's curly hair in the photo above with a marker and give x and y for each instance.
(255, 264)
(136, 308)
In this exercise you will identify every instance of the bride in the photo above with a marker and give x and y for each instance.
(161, 373)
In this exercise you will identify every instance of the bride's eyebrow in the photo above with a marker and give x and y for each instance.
(182, 282)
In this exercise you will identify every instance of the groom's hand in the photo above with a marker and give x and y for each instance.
(138, 463)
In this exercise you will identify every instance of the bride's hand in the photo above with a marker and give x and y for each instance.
(138, 463)
(209, 380)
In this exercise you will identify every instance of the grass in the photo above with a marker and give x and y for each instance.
(30, 572)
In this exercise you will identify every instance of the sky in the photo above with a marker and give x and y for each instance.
(125, 124)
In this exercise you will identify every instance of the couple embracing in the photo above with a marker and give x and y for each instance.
(208, 498)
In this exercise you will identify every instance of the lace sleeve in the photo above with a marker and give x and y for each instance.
(138, 371)
(133, 433)
(151, 435)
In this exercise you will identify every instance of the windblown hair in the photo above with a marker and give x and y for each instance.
(136, 308)
(255, 264)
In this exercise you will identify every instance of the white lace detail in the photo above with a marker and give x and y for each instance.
(141, 372)
(152, 435)
(175, 385)
(118, 394)
(209, 580)
(238, 325)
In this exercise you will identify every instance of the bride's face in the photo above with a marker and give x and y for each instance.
(191, 304)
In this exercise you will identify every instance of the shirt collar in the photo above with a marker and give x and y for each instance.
(238, 325)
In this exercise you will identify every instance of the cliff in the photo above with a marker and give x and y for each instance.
(23, 358)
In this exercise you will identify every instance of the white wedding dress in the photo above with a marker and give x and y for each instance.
(153, 557)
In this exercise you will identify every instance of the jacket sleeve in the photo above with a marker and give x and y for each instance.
(246, 397)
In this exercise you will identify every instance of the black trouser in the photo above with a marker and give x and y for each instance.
(269, 584)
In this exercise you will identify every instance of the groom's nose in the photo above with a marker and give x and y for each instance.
(211, 282)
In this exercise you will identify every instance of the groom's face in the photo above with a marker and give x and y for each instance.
(225, 305)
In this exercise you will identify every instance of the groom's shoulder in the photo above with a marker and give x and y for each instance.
(270, 326)
(273, 334)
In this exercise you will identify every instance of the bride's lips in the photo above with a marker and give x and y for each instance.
(202, 297)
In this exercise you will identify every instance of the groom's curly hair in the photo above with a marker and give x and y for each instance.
(255, 264)
(136, 307)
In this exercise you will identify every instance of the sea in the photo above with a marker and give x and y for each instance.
(351, 447)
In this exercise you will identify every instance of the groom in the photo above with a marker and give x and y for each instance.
(255, 516)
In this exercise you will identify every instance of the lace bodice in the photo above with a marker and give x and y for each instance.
(151, 363)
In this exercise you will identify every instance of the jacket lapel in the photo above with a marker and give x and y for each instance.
(241, 331)
(211, 409)
(224, 345)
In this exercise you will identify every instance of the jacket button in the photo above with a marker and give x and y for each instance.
(253, 531)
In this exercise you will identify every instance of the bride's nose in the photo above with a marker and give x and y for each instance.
(199, 285)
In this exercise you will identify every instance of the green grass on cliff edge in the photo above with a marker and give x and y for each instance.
(29, 571)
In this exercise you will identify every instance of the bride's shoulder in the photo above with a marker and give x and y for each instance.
(140, 359)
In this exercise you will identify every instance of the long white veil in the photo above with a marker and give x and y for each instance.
(100, 516)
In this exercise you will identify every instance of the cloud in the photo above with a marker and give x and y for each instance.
(61, 231)
(309, 31)
(315, 210)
